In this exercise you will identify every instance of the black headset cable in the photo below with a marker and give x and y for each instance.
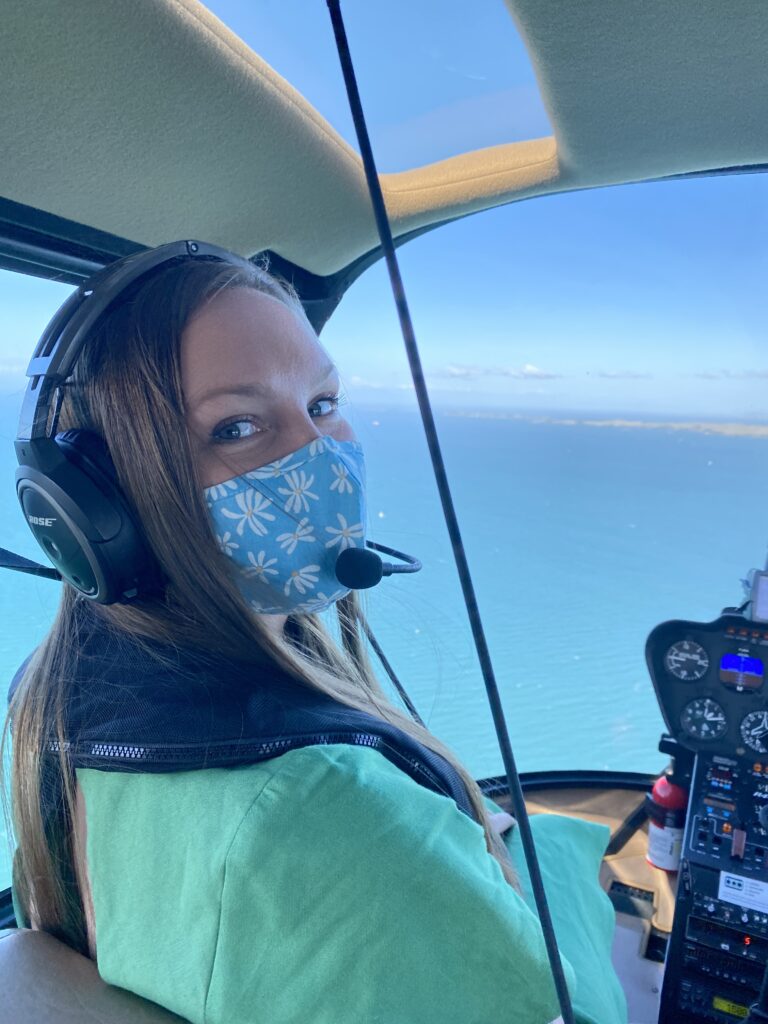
(391, 672)
(459, 554)
(10, 560)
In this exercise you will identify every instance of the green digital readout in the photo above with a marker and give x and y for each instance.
(726, 1006)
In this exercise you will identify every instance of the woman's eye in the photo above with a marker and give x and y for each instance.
(235, 430)
(324, 406)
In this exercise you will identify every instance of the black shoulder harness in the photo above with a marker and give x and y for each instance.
(156, 708)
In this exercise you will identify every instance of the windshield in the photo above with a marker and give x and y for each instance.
(597, 367)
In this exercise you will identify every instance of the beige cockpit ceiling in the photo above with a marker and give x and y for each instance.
(151, 121)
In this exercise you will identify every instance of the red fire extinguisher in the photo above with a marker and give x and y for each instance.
(666, 805)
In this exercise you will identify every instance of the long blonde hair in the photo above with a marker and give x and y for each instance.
(127, 388)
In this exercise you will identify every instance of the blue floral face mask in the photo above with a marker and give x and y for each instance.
(285, 524)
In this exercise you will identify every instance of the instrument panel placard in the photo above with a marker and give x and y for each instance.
(744, 892)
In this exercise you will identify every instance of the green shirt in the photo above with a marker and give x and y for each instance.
(325, 886)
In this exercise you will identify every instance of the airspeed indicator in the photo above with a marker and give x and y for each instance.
(686, 660)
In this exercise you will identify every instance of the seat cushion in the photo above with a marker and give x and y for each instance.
(42, 980)
(570, 852)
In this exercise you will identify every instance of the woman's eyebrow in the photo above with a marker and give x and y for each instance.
(234, 389)
(254, 388)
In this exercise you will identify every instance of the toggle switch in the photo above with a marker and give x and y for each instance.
(738, 842)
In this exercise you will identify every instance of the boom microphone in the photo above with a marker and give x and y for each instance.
(359, 569)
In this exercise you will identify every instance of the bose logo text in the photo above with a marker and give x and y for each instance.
(40, 521)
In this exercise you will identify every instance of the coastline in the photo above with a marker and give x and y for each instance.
(696, 426)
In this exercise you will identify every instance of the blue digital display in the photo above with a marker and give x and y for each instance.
(741, 664)
(740, 672)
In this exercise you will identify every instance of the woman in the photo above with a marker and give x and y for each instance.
(323, 884)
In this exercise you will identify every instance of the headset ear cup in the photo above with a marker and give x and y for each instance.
(85, 446)
(127, 567)
(66, 485)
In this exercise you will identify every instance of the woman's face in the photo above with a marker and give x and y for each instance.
(257, 385)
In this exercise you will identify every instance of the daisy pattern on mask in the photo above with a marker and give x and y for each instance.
(321, 601)
(346, 535)
(253, 508)
(298, 490)
(263, 609)
(302, 579)
(226, 544)
(341, 483)
(271, 470)
(223, 490)
(317, 446)
(261, 566)
(289, 541)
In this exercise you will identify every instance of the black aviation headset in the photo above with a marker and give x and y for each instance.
(66, 482)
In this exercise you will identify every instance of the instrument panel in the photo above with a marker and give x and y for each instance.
(710, 683)
(709, 680)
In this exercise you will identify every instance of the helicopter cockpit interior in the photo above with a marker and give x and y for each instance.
(126, 125)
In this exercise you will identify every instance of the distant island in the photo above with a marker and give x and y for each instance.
(698, 426)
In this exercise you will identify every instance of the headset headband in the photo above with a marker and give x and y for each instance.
(54, 358)
(66, 483)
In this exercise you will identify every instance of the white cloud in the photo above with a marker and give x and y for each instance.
(459, 372)
(730, 375)
(12, 369)
(365, 384)
(528, 371)
(624, 375)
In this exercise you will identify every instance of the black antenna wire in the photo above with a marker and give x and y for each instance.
(468, 590)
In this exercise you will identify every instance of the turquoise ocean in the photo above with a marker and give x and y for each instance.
(580, 539)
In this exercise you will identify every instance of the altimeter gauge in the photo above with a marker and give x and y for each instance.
(686, 660)
(703, 719)
(754, 731)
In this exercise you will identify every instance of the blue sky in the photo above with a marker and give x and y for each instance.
(636, 299)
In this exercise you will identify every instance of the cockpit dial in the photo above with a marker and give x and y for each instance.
(686, 660)
(754, 731)
(704, 719)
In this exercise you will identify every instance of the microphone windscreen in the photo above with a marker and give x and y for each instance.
(358, 568)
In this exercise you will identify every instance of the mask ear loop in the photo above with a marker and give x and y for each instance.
(438, 466)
